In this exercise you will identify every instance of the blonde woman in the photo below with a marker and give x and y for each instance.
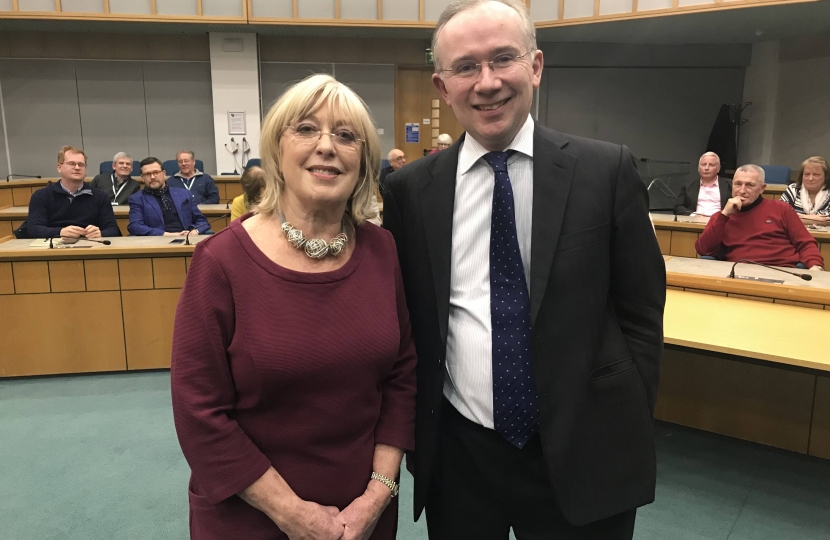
(810, 194)
(293, 371)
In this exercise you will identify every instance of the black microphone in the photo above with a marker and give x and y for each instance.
(76, 238)
(11, 176)
(192, 228)
(805, 277)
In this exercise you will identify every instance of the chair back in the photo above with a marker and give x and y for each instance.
(776, 174)
(253, 162)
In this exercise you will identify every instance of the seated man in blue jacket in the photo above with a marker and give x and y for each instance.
(70, 207)
(159, 210)
(199, 184)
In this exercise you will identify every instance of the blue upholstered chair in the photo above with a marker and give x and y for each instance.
(384, 163)
(777, 174)
(253, 162)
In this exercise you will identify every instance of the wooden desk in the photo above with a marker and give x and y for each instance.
(80, 310)
(18, 192)
(12, 217)
(678, 237)
(745, 359)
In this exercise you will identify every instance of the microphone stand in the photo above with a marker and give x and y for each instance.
(192, 228)
(805, 277)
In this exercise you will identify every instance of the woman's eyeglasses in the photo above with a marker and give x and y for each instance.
(342, 138)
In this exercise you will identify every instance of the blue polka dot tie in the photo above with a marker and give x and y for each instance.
(515, 408)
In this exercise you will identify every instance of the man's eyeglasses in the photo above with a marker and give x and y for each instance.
(151, 174)
(342, 138)
(74, 164)
(467, 68)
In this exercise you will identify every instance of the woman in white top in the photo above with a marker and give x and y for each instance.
(810, 194)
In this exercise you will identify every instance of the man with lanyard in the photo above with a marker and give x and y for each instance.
(199, 184)
(118, 185)
(70, 207)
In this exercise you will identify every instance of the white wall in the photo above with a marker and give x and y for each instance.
(235, 82)
(761, 89)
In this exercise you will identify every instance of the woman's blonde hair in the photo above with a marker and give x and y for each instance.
(297, 103)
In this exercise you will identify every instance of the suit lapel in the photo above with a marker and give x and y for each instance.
(725, 191)
(694, 194)
(177, 202)
(437, 198)
(552, 174)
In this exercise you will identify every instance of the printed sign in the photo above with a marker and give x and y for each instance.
(413, 132)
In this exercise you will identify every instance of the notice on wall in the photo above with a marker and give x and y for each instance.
(413, 132)
(236, 123)
(426, 121)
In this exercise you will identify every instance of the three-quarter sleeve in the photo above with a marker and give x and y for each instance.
(223, 458)
(396, 424)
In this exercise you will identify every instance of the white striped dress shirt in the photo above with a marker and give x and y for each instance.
(468, 384)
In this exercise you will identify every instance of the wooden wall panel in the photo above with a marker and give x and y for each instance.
(122, 225)
(33, 346)
(31, 277)
(6, 198)
(136, 273)
(149, 314)
(101, 275)
(752, 402)
(67, 276)
(820, 433)
(664, 240)
(5, 228)
(168, 272)
(21, 196)
(683, 244)
(233, 191)
(6, 278)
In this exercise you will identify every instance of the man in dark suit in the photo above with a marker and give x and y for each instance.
(161, 210)
(536, 290)
(707, 195)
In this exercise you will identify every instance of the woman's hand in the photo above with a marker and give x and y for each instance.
(361, 516)
(311, 521)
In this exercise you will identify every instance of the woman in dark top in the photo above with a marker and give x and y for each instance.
(293, 371)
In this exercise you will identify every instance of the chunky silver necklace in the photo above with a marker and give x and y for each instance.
(316, 248)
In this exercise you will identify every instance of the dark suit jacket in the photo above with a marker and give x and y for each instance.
(686, 202)
(146, 218)
(104, 183)
(597, 291)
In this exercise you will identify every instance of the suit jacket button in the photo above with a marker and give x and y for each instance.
(432, 412)
(440, 361)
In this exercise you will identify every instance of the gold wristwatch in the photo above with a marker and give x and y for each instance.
(391, 484)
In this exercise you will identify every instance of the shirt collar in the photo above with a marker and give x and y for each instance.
(471, 150)
(83, 190)
(196, 172)
(713, 185)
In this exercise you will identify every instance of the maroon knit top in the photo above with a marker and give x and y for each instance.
(302, 371)
(768, 232)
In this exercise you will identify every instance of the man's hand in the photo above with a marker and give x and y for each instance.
(817, 268)
(815, 218)
(311, 521)
(732, 204)
(361, 516)
(73, 231)
(91, 231)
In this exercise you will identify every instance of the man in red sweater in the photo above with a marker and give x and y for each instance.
(761, 230)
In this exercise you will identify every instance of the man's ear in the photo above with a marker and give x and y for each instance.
(439, 85)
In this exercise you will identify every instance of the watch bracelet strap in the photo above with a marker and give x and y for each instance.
(391, 484)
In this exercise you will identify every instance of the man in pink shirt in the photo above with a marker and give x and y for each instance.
(708, 195)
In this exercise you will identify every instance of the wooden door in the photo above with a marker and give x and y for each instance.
(416, 102)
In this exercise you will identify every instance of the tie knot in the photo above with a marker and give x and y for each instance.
(498, 160)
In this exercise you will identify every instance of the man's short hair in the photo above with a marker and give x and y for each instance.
(148, 161)
(180, 152)
(464, 5)
(71, 150)
(709, 154)
(391, 154)
(751, 168)
(121, 155)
